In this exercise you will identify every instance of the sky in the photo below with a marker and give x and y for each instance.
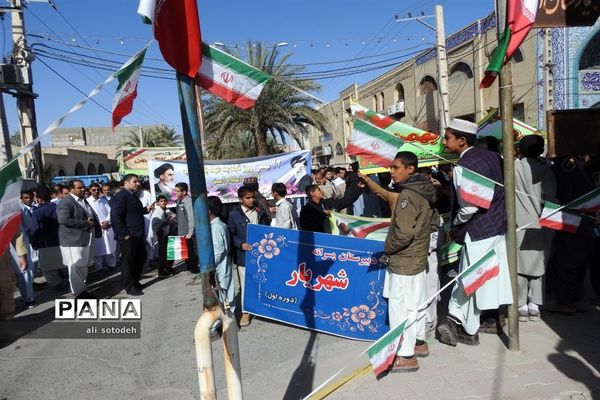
(328, 37)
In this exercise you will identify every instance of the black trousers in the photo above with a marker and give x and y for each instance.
(192, 261)
(133, 257)
(163, 264)
(567, 268)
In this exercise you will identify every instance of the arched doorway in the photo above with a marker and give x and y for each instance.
(79, 169)
(101, 169)
(91, 170)
(399, 92)
(427, 87)
(588, 70)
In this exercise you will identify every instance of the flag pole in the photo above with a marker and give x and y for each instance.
(506, 111)
(193, 150)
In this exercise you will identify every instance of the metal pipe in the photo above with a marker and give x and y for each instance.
(233, 369)
(193, 150)
(204, 359)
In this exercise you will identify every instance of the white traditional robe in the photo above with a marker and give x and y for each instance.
(106, 244)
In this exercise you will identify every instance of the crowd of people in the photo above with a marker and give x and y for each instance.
(70, 229)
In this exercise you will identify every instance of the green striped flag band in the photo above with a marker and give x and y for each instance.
(177, 248)
(589, 202)
(491, 125)
(375, 151)
(227, 77)
(10, 205)
(480, 272)
(362, 227)
(383, 351)
(559, 220)
(475, 189)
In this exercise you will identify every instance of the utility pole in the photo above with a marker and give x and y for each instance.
(23, 56)
(5, 132)
(548, 74)
(442, 66)
(442, 62)
(506, 111)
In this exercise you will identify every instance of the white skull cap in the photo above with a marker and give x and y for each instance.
(463, 126)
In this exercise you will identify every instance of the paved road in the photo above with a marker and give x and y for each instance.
(560, 359)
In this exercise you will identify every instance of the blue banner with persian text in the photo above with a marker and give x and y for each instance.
(326, 283)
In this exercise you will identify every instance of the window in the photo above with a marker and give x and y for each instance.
(399, 92)
(381, 102)
(460, 72)
(339, 150)
(428, 84)
(517, 57)
(375, 102)
(590, 58)
(519, 111)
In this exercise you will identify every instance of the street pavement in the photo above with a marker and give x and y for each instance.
(559, 358)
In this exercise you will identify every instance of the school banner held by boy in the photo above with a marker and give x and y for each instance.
(326, 283)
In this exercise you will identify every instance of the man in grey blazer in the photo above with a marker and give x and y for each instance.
(78, 224)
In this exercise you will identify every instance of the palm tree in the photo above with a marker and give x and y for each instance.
(279, 109)
(156, 136)
(242, 147)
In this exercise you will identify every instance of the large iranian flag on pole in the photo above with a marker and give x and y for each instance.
(10, 207)
(559, 220)
(177, 30)
(589, 202)
(480, 272)
(475, 189)
(230, 78)
(128, 77)
(520, 15)
(383, 352)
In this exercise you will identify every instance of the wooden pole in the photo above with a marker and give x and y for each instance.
(506, 111)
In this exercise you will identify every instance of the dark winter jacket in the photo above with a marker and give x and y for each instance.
(413, 220)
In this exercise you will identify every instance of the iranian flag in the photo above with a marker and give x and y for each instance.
(10, 204)
(177, 30)
(128, 77)
(177, 248)
(480, 272)
(383, 352)
(589, 202)
(362, 227)
(520, 15)
(476, 189)
(229, 78)
(372, 143)
(559, 220)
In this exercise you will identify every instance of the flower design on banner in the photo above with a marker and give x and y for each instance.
(362, 314)
(266, 249)
(359, 317)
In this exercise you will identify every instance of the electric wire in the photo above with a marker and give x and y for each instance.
(141, 100)
(79, 90)
(148, 112)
